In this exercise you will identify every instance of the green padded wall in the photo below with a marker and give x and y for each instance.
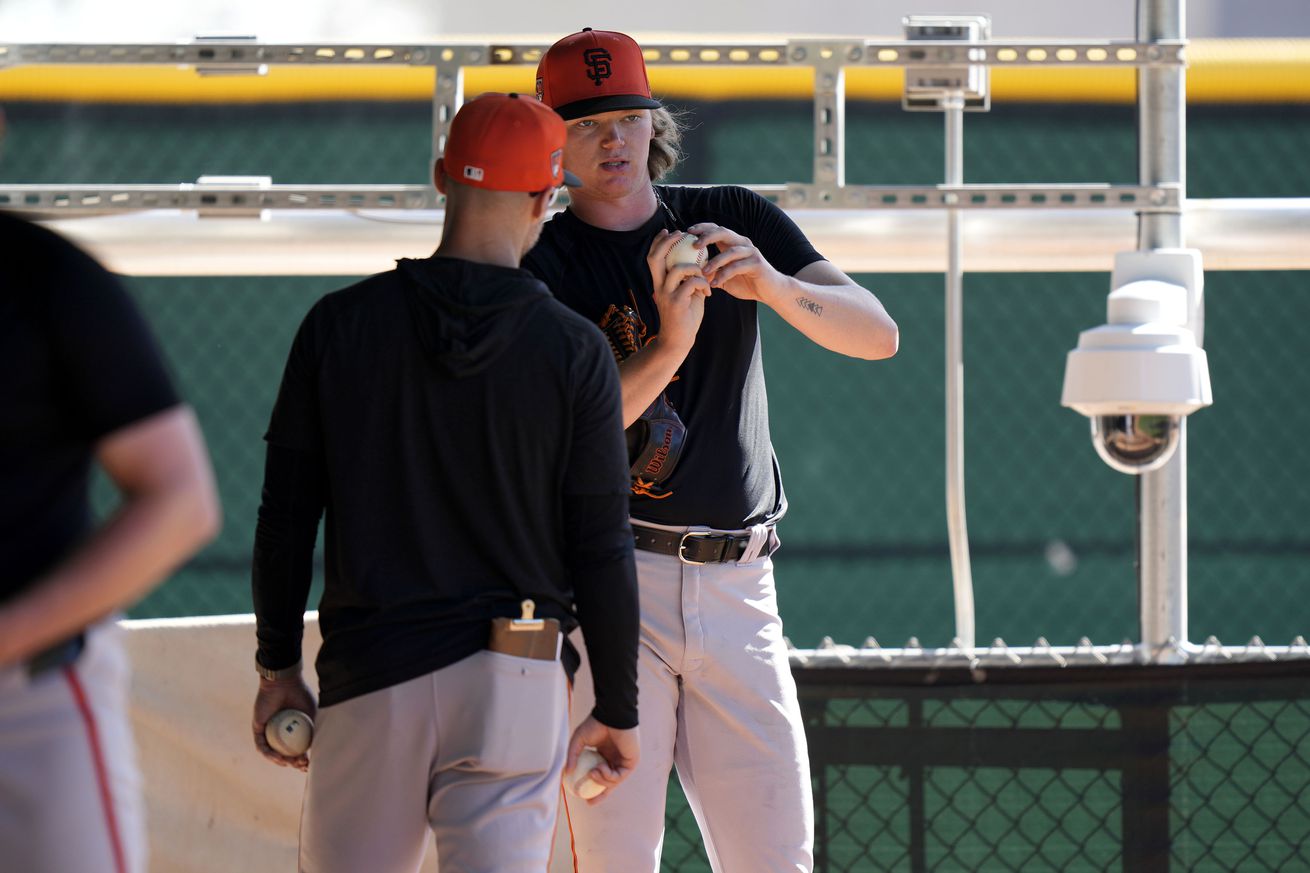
(861, 444)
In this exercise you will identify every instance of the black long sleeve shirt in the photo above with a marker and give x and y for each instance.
(460, 431)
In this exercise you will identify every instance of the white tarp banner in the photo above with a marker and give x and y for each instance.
(213, 804)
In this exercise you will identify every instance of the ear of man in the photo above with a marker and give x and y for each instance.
(541, 203)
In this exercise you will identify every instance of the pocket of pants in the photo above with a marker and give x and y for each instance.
(521, 721)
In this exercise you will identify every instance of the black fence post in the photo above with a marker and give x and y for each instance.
(916, 799)
(1145, 787)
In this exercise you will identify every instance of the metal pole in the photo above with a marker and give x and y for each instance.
(447, 97)
(958, 532)
(1162, 498)
(829, 124)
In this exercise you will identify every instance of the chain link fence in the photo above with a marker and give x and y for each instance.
(1197, 768)
(1242, 768)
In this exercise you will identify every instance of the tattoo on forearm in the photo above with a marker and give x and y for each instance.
(808, 304)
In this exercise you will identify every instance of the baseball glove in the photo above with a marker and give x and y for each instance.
(655, 439)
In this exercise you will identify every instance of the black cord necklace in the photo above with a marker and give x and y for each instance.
(668, 212)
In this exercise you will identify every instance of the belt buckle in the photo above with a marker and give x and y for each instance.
(682, 546)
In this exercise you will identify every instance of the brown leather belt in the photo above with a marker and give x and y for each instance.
(698, 547)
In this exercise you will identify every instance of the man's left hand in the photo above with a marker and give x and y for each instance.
(739, 268)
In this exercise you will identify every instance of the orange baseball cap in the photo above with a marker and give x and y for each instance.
(504, 142)
(594, 71)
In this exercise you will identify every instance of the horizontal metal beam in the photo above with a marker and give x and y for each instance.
(1269, 234)
(1043, 655)
(973, 746)
(1053, 196)
(1002, 53)
(242, 53)
(249, 56)
(54, 201)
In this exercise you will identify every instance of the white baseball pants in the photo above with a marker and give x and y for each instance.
(473, 751)
(716, 699)
(70, 790)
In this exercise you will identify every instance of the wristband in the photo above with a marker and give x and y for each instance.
(273, 675)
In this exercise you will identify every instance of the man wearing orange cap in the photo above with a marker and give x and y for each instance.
(717, 696)
(461, 430)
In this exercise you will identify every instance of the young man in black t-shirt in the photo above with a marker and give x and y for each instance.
(717, 695)
(461, 429)
(82, 382)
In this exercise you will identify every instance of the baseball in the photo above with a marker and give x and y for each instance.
(582, 784)
(683, 252)
(289, 732)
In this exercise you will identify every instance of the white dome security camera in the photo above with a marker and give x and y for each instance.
(1136, 443)
(1137, 376)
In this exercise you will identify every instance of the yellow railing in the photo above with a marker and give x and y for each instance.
(1219, 71)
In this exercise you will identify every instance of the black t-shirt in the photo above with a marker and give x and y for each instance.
(727, 476)
(467, 431)
(77, 363)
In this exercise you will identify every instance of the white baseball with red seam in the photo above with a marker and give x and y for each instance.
(581, 783)
(289, 732)
(685, 252)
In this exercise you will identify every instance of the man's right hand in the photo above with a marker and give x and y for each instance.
(680, 294)
(680, 300)
(621, 750)
(275, 695)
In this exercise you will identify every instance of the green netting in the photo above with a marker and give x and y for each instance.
(861, 444)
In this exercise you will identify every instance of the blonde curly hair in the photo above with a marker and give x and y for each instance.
(665, 142)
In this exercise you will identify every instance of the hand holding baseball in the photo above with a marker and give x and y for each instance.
(739, 268)
(289, 732)
(285, 708)
(581, 782)
(680, 289)
(684, 251)
(600, 758)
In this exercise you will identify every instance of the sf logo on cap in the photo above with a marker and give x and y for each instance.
(598, 64)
